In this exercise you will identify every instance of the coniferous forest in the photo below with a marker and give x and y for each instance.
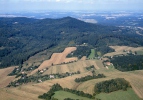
(21, 38)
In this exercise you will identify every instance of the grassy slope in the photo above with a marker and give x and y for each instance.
(92, 54)
(61, 95)
(119, 95)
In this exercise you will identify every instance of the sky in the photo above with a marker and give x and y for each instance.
(70, 5)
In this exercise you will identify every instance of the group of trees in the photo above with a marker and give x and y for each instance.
(16, 71)
(30, 68)
(57, 87)
(104, 49)
(89, 77)
(50, 93)
(80, 52)
(128, 63)
(79, 93)
(111, 85)
(90, 68)
(37, 78)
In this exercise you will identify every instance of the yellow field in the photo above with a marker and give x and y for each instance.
(72, 67)
(119, 50)
(4, 79)
(31, 91)
(57, 58)
(135, 78)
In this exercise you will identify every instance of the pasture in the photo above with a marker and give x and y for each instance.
(119, 95)
(92, 54)
(61, 95)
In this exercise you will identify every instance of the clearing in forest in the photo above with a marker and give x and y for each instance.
(92, 54)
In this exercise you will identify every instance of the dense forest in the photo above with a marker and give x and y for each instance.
(111, 85)
(128, 63)
(21, 38)
(80, 52)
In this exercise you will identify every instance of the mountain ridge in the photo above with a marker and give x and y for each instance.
(23, 37)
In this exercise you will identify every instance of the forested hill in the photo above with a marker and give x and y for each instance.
(21, 38)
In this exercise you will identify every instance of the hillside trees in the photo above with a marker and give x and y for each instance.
(111, 85)
(128, 63)
(89, 77)
(29, 36)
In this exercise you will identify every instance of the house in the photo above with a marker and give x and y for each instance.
(41, 71)
(22, 72)
(17, 84)
(108, 63)
(39, 81)
(52, 76)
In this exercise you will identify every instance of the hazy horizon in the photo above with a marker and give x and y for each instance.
(70, 5)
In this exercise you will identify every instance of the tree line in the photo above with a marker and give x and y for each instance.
(57, 87)
(24, 79)
(89, 77)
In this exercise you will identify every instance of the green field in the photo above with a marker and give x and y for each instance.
(140, 52)
(61, 95)
(92, 54)
(119, 95)
(111, 67)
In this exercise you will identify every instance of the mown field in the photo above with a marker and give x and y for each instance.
(31, 91)
(73, 67)
(92, 54)
(57, 58)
